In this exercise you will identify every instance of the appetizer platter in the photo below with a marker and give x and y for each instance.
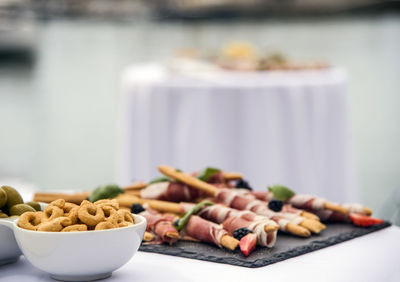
(216, 216)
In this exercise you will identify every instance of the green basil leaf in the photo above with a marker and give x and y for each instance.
(281, 192)
(207, 173)
(105, 192)
(160, 179)
(184, 220)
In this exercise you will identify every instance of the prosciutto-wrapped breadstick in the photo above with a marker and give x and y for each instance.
(170, 191)
(233, 219)
(161, 225)
(286, 208)
(318, 205)
(287, 222)
(207, 231)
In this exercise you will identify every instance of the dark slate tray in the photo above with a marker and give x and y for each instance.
(286, 247)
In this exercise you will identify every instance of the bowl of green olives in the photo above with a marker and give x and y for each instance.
(11, 206)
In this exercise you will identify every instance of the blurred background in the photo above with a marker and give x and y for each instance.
(62, 63)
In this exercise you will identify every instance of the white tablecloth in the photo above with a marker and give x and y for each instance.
(290, 128)
(374, 257)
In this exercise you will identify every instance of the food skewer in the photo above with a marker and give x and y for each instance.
(161, 225)
(233, 219)
(207, 231)
(314, 204)
(288, 222)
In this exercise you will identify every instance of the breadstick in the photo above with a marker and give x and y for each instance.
(336, 208)
(189, 180)
(127, 200)
(368, 211)
(148, 236)
(229, 242)
(313, 225)
(76, 198)
(136, 186)
(297, 230)
(309, 215)
(171, 234)
(133, 192)
(232, 176)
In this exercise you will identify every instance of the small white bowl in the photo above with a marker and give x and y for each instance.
(9, 250)
(81, 256)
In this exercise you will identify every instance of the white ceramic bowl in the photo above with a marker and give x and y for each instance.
(9, 250)
(81, 256)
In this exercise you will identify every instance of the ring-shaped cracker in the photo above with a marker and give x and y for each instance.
(75, 228)
(110, 214)
(58, 203)
(73, 215)
(107, 202)
(125, 216)
(124, 224)
(90, 214)
(52, 212)
(55, 225)
(68, 207)
(105, 225)
(29, 221)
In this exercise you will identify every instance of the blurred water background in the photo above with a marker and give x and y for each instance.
(58, 113)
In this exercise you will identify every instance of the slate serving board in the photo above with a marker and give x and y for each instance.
(286, 246)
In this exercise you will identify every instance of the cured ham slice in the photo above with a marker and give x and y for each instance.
(160, 224)
(219, 214)
(170, 191)
(204, 230)
(236, 201)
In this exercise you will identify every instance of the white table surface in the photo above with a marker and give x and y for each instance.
(373, 257)
(288, 128)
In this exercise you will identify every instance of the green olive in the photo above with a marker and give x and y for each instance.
(34, 205)
(3, 215)
(13, 197)
(20, 209)
(3, 197)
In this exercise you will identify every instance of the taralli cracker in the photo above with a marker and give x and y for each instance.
(110, 214)
(52, 212)
(55, 225)
(30, 220)
(91, 214)
(126, 216)
(68, 207)
(105, 225)
(58, 203)
(75, 227)
(109, 203)
(61, 216)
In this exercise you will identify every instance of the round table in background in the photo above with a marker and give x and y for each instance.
(286, 127)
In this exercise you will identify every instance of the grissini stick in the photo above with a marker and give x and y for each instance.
(213, 191)
(228, 176)
(135, 186)
(336, 208)
(148, 236)
(76, 198)
(133, 192)
(127, 200)
(188, 180)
